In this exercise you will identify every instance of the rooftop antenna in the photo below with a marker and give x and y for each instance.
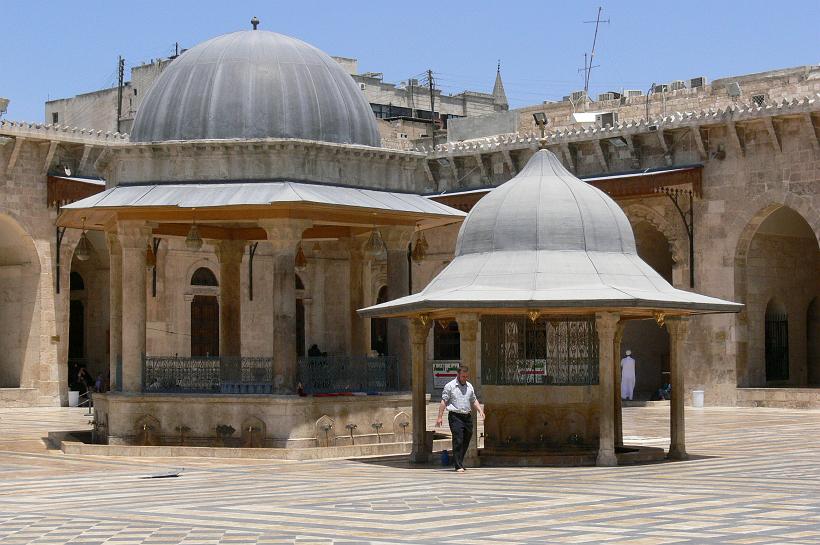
(255, 22)
(588, 65)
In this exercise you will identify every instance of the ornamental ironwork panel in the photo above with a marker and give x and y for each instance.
(518, 351)
(234, 375)
(341, 374)
(777, 347)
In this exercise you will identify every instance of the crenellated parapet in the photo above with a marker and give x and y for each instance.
(64, 133)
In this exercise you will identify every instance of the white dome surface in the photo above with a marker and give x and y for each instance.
(255, 84)
(546, 239)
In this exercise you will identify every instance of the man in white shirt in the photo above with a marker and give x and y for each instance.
(627, 376)
(458, 397)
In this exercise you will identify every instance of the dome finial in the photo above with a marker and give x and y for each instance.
(255, 22)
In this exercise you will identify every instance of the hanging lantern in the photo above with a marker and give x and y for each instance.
(374, 245)
(300, 262)
(193, 241)
(84, 246)
(419, 252)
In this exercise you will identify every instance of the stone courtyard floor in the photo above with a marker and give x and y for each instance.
(753, 477)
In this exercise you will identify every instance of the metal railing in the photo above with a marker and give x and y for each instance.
(212, 375)
(341, 374)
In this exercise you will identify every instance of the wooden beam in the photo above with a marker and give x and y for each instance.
(699, 142)
(599, 153)
(15, 153)
(734, 136)
(52, 148)
(634, 151)
(568, 156)
(508, 160)
(84, 161)
(480, 162)
(667, 155)
(774, 138)
(808, 122)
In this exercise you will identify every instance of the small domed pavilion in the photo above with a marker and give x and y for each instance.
(547, 272)
(249, 215)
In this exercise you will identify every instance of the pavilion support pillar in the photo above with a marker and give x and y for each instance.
(422, 451)
(134, 237)
(606, 323)
(398, 285)
(230, 253)
(677, 327)
(468, 351)
(358, 347)
(284, 237)
(616, 368)
(115, 311)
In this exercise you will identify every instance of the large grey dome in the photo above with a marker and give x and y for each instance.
(545, 207)
(255, 84)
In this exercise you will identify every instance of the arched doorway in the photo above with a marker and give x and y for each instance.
(776, 278)
(648, 342)
(19, 312)
(204, 316)
(776, 342)
(813, 341)
(76, 319)
(300, 317)
(378, 327)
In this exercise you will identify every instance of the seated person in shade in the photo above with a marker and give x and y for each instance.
(314, 352)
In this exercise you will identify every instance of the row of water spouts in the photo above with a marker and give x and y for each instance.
(377, 427)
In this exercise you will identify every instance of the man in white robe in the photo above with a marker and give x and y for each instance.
(627, 376)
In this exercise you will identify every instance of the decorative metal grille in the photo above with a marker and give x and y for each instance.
(338, 374)
(235, 375)
(777, 347)
(518, 351)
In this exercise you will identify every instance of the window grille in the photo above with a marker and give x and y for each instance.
(518, 351)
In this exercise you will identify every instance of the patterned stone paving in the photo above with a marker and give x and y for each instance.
(754, 478)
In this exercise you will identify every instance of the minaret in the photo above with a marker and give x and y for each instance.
(499, 96)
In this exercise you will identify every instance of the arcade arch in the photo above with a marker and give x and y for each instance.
(19, 312)
(776, 277)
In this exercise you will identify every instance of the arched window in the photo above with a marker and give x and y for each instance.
(76, 282)
(203, 277)
(777, 341)
(378, 327)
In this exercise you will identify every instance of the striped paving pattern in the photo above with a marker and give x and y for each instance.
(754, 478)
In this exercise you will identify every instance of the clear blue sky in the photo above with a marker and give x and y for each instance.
(59, 48)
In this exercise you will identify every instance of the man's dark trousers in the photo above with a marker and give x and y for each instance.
(461, 426)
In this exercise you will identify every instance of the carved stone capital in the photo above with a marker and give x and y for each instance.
(467, 325)
(419, 328)
(230, 251)
(606, 323)
(134, 234)
(396, 238)
(285, 234)
(677, 326)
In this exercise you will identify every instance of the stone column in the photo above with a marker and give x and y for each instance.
(284, 236)
(419, 329)
(396, 240)
(468, 348)
(230, 253)
(616, 368)
(677, 328)
(606, 324)
(357, 339)
(115, 312)
(134, 237)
